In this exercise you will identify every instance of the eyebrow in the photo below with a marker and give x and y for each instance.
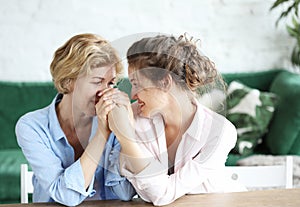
(97, 78)
(102, 78)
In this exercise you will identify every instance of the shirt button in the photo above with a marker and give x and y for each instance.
(93, 192)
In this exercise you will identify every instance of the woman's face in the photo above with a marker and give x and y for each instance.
(150, 98)
(87, 86)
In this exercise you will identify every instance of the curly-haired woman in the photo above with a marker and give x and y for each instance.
(182, 145)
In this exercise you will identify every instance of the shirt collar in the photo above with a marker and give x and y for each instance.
(55, 129)
(194, 130)
(54, 126)
(196, 126)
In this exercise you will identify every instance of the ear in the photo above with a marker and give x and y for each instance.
(70, 85)
(167, 82)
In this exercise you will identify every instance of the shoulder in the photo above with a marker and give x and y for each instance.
(217, 120)
(40, 116)
(219, 127)
(219, 136)
(33, 126)
(37, 117)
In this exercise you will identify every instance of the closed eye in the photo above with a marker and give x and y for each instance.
(97, 82)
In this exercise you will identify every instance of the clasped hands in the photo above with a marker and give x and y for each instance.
(114, 112)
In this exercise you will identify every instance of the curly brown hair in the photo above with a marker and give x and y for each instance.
(178, 57)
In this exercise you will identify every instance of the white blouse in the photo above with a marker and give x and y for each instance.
(199, 161)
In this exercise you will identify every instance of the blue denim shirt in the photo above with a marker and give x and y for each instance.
(57, 176)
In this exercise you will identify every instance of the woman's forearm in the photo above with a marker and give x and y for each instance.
(120, 123)
(91, 157)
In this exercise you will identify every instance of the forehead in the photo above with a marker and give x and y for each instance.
(141, 74)
(134, 74)
(142, 81)
(104, 72)
(131, 70)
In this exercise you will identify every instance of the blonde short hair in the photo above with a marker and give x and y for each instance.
(80, 54)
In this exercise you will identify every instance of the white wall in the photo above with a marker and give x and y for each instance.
(238, 35)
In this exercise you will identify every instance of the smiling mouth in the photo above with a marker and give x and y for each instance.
(141, 103)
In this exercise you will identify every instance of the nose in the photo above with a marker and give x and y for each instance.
(133, 94)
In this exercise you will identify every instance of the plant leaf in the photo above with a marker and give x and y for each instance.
(276, 3)
(288, 10)
(292, 31)
(295, 23)
(295, 58)
(296, 7)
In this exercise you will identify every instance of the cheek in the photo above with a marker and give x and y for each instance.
(85, 95)
(89, 90)
(151, 98)
(145, 95)
(158, 99)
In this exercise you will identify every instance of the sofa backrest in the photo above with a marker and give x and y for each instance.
(261, 80)
(16, 100)
(19, 98)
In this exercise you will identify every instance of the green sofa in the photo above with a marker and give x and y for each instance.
(19, 98)
(283, 133)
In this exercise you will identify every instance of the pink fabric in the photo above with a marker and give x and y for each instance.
(199, 163)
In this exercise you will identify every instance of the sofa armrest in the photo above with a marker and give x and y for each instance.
(284, 130)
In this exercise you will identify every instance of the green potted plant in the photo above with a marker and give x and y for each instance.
(294, 29)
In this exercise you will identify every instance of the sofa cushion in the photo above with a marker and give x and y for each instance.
(286, 116)
(250, 110)
(11, 160)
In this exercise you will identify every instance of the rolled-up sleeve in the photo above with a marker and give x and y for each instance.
(74, 180)
(118, 184)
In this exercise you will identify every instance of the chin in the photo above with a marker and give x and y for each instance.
(149, 114)
(146, 115)
(143, 113)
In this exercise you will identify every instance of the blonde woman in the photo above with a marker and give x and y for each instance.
(179, 146)
(72, 152)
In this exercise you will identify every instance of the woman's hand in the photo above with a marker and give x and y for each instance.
(103, 107)
(109, 99)
(120, 98)
(121, 122)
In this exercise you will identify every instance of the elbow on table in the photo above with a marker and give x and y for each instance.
(162, 202)
(126, 197)
(69, 201)
(124, 192)
(157, 200)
